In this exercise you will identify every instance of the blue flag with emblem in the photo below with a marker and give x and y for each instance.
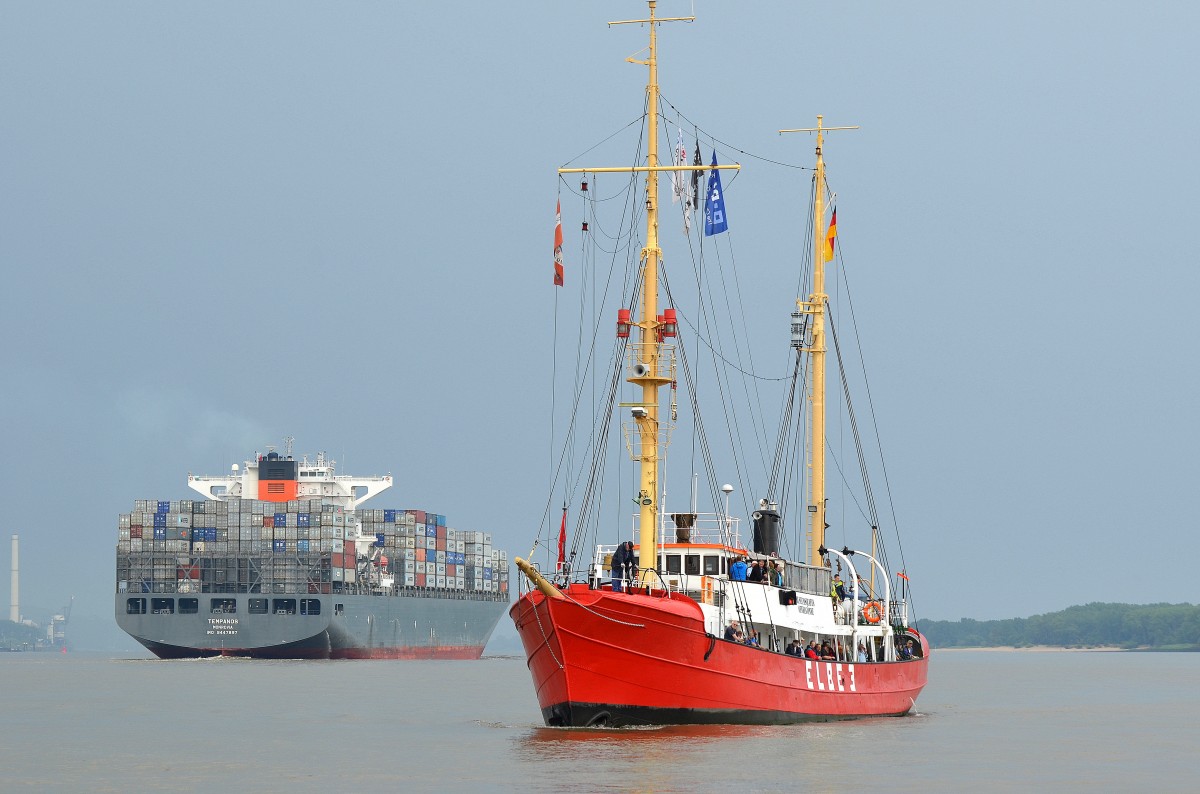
(715, 219)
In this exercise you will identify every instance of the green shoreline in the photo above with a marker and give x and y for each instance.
(1096, 626)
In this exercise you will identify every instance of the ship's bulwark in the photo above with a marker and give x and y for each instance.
(599, 658)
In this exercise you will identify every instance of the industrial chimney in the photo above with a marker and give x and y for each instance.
(14, 610)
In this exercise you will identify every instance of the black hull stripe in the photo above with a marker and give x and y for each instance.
(608, 715)
(315, 647)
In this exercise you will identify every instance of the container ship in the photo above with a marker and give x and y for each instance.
(279, 560)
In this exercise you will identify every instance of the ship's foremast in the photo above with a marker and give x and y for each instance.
(651, 364)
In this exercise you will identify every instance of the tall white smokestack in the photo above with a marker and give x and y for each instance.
(14, 611)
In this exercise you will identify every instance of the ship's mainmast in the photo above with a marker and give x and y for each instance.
(815, 307)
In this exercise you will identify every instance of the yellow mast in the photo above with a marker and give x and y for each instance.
(815, 306)
(650, 367)
(650, 378)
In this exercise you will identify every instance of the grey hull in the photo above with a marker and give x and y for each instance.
(324, 626)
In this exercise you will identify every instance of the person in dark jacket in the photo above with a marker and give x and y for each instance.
(622, 565)
(756, 572)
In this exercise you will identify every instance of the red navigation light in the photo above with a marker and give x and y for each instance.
(583, 186)
(585, 226)
(670, 325)
(623, 323)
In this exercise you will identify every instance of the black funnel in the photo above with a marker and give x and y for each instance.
(766, 532)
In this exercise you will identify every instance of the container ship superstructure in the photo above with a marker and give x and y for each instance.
(279, 560)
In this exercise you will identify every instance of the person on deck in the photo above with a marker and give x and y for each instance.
(622, 565)
(737, 571)
(732, 631)
(838, 591)
(811, 652)
(755, 574)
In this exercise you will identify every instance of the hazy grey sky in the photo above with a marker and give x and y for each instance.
(225, 223)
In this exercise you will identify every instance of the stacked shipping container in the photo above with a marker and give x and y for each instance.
(301, 546)
(421, 551)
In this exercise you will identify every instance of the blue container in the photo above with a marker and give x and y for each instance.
(389, 516)
(160, 533)
(160, 519)
(164, 507)
(210, 533)
(430, 531)
(302, 545)
(302, 520)
(379, 539)
(280, 545)
(197, 535)
(281, 519)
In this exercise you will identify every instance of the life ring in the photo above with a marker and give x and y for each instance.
(872, 613)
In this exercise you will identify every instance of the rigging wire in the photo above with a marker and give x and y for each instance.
(730, 147)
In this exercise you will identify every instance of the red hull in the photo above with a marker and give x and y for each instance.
(603, 658)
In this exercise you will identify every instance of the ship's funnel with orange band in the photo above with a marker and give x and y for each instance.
(277, 478)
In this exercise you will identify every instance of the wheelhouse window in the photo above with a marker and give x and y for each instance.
(189, 606)
(673, 564)
(712, 565)
(135, 606)
(223, 606)
(258, 606)
(162, 606)
(691, 564)
(310, 606)
(284, 606)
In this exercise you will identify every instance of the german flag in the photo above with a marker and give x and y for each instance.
(830, 236)
(558, 241)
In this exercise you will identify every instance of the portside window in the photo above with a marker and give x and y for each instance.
(258, 606)
(223, 606)
(339, 609)
(712, 565)
(691, 564)
(310, 606)
(135, 606)
(284, 606)
(189, 606)
(162, 606)
(673, 564)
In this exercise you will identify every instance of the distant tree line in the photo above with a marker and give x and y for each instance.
(1160, 626)
(14, 636)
